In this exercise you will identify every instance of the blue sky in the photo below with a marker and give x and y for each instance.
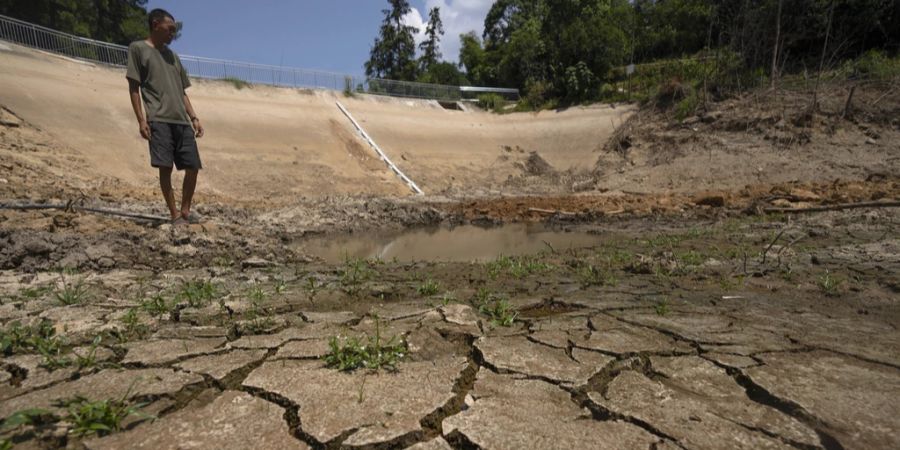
(332, 35)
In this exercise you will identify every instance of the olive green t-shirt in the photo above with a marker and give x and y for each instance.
(163, 81)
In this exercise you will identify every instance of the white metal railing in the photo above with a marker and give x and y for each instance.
(36, 36)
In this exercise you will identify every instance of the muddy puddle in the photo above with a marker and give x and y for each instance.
(461, 244)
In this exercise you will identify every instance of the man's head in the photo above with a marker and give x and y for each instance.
(162, 26)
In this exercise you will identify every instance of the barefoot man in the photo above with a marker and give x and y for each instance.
(155, 74)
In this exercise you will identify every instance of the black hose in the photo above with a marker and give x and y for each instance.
(109, 212)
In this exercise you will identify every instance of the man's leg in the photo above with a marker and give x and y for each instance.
(165, 183)
(187, 193)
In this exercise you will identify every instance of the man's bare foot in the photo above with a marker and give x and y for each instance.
(180, 222)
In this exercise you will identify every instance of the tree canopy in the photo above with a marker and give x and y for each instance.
(117, 21)
(566, 48)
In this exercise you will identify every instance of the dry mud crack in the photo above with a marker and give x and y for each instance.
(692, 354)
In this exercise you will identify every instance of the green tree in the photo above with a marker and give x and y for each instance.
(393, 53)
(117, 21)
(473, 59)
(444, 73)
(430, 47)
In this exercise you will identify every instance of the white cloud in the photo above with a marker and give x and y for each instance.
(459, 16)
(414, 19)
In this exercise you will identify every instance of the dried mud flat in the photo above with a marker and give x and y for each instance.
(702, 318)
(749, 332)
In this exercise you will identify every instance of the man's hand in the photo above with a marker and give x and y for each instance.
(145, 129)
(198, 127)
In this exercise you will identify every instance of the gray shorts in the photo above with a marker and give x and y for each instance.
(173, 143)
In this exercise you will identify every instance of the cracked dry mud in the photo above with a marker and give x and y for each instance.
(719, 351)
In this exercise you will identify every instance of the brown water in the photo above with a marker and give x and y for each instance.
(462, 243)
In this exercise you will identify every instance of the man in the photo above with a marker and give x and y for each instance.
(155, 74)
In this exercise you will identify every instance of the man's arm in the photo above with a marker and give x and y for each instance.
(195, 122)
(134, 89)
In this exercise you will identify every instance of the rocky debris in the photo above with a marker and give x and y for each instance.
(162, 351)
(234, 420)
(367, 408)
(110, 383)
(855, 399)
(511, 413)
(519, 355)
(219, 366)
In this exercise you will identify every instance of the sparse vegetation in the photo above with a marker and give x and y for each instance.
(40, 338)
(197, 293)
(830, 284)
(500, 312)
(371, 352)
(662, 307)
(355, 273)
(85, 417)
(590, 275)
(428, 288)
(156, 306)
(236, 82)
(517, 267)
(70, 292)
(133, 327)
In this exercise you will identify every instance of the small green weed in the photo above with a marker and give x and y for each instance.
(280, 286)
(500, 311)
(354, 273)
(258, 319)
(830, 285)
(428, 288)
(100, 417)
(156, 306)
(34, 293)
(89, 359)
(517, 267)
(594, 276)
(134, 329)
(256, 294)
(371, 353)
(69, 292)
(33, 416)
(662, 307)
(197, 293)
(40, 338)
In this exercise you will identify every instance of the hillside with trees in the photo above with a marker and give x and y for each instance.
(573, 51)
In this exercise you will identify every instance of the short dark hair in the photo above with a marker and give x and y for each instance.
(157, 15)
